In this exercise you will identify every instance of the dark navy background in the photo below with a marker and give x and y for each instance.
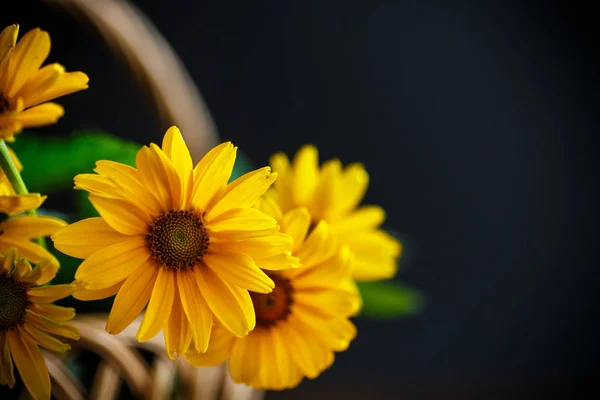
(477, 123)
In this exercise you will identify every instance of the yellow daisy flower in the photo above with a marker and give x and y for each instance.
(25, 88)
(333, 193)
(29, 320)
(19, 230)
(177, 238)
(301, 323)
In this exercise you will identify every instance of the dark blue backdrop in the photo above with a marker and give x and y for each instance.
(478, 126)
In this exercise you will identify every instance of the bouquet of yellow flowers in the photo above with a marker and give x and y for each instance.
(260, 270)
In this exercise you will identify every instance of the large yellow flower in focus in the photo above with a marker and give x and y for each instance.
(177, 238)
(29, 320)
(25, 88)
(302, 322)
(333, 194)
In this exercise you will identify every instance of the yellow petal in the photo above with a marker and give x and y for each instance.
(45, 340)
(175, 148)
(31, 364)
(8, 264)
(375, 255)
(240, 270)
(279, 262)
(50, 293)
(296, 223)
(100, 185)
(127, 179)
(29, 250)
(335, 333)
(42, 273)
(319, 245)
(281, 164)
(67, 83)
(116, 171)
(339, 302)
(257, 248)
(178, 334)
(268, 204)
(88, 294)
(16, 204)
(349, 285)
(132, 297)
(152, 175)
(121, 215)
(211, 174)
(309, 355)
(160, 305)
(273, 364)
(8, 40)
(7, 375)
(39, 82)
(29, 54)
(113, 264)
(31, 226)
(196, 309)
(242, 223)
(168, 175)
(43, 114)
(49, 325)
(355, 182)
(202, 166)
(231, 305)
(328, 274)
(328, 192)
(85, 237)
(245, 363)
(283, 365)
(218, 352)
(22, 268)
(244, 191)
(306, 174)
(365, 218)
(365, 270)
(54, 312)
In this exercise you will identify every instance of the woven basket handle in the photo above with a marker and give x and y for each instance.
(152, 61)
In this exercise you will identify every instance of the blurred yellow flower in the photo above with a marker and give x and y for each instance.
(333, 194)
(28, 320)
(177, 238)
(25, 88)
(302, 322)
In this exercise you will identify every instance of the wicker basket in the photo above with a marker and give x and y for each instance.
(144, 368)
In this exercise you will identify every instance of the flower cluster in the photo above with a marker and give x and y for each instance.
(260, 271)
(28, 319)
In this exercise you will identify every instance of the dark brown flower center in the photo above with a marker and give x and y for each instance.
(274, 306)
(13, 303)
(178, 239)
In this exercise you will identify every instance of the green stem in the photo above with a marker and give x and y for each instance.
(14, 177)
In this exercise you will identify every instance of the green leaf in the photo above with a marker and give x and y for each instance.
(389, 299)
(50, 163)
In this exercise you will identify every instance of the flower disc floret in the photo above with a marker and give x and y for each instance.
(13, 303)
(273, 307)
(177, 239)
